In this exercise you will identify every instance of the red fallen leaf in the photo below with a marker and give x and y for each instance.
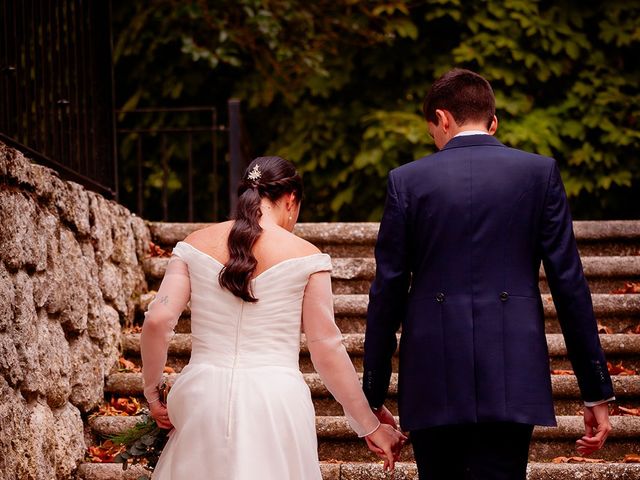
(562, 372)
(630, 411)
(629, 287)
(168, 370)
(631, 458)
(156, 251)
(105, 452)
(577, 460)
(119, 407)
(619, 369)
(604, 329)
(128, 365)
(128, 406)
(132, 329)
(635, 330)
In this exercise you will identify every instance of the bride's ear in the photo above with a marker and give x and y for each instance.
(291, 201)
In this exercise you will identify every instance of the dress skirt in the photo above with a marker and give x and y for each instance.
(240, 424)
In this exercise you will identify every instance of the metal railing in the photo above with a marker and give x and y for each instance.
(56, 87)
(180, 164)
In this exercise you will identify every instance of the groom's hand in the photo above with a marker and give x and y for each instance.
(385, 416)
(386, 442)
(597, 428)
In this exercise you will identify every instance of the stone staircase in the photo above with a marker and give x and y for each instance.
(611, 258)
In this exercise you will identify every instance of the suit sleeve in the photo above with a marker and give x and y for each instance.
(571, 294)
(387, 297)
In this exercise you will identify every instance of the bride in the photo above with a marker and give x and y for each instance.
(241, 408)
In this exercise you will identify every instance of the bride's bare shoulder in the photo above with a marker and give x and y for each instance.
(209, 234)
(292, 244)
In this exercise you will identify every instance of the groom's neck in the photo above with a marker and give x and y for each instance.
(468, 127)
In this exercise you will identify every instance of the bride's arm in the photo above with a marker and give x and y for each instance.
(330, 357)
(159, 321)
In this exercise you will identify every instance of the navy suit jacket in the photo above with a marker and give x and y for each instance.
(457, 265)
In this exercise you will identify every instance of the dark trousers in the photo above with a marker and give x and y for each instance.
(480, 451)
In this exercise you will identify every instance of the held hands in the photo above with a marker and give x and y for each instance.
(387, 440)
(597, 428)
(160, 414)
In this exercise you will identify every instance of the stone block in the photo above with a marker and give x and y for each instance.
(87, 373)
(43, 443)
(7, 298)
(10, 366)
(101, 226)
(72, 202)
(142, 236)
(55, 361)
(20, 243)
(73, 279)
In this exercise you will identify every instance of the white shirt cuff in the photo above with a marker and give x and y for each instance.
(600, 402)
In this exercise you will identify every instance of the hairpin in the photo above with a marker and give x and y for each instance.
(255, 173)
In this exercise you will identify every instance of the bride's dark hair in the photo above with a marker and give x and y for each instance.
(265, 177)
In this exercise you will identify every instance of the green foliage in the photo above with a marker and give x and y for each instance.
(336, 86)
(143, 443)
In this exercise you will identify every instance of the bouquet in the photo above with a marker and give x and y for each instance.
(143, 443)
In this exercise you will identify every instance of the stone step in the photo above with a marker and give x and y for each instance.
(336, 440)
(404, 471)
(611, 237)
(564, 386)
(619, 312)
(618, 348)
(354, 275)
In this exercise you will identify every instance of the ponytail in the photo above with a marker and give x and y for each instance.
(269, 177)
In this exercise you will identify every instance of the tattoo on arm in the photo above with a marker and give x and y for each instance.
(164, 300)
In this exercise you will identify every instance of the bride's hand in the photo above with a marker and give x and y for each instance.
(160, 414)
(386, 442)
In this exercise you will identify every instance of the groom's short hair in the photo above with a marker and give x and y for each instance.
(465, 94)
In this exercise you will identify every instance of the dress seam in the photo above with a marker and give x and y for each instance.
(233, 370)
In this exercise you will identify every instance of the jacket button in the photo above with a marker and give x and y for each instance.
(504, 296)
(440, 297)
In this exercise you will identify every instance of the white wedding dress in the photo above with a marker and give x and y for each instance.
(241, 409)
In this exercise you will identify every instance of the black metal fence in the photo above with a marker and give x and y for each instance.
(56, 87)
(180, 164)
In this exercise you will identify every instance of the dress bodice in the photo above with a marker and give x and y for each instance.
(229, 332)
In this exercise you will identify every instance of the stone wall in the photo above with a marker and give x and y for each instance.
(70, 273)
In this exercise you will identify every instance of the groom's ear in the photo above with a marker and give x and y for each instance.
(443, 119)
(494, 125)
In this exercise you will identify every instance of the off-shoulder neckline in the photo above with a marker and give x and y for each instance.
(274, 266)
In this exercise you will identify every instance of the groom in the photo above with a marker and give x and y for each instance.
(458, 256)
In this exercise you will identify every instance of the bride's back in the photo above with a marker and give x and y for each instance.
(230, 332)
(273, 246)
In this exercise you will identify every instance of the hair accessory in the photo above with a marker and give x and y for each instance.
(255, 174)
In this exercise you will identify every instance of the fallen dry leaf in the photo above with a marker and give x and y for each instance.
(119, 407)
(132, 329)
(562, 372)
(631, 458)
(168, 370)
(629, 287)
(619, 369)
(604, 329)
(635, 330)
(127, 365)
(105, 452)
(635, 412)
(577, 460)
(156, 251)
